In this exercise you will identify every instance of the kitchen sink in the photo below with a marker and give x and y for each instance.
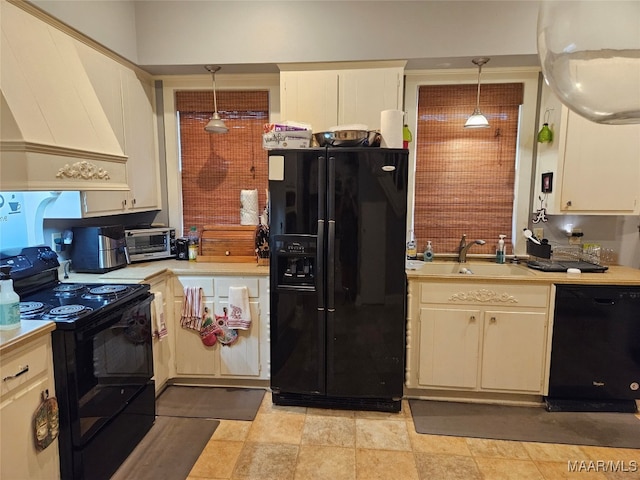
(475, 268)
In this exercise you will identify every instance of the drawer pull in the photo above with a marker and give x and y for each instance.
(23, 370)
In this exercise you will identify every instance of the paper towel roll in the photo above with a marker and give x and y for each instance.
(391, 128)
(249, 207)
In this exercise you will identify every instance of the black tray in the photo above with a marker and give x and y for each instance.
(562, 266)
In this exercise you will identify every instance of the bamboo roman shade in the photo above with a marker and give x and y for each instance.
(465, 178)
(215, 168)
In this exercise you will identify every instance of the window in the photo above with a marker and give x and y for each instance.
(465, 178)
(458, 170)
(216, 167)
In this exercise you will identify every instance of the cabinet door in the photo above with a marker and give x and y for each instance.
(162, 349)
(513, 351)
(140, 141)
(243, 357)
(601, 167)
(310, 97)
(449, 347)
(192, 356)
(20, 459)
(363, 94)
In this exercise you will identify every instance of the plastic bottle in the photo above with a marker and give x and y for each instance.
(428, 253)
(406, 136)
(193, 244)
(412, 249)
(500, 250)
(9, 301)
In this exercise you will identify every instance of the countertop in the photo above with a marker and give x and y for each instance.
(28, 330)
(615, 275)
(145, 271)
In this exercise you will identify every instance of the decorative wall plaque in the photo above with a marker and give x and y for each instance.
(83, 170)
(482, 295)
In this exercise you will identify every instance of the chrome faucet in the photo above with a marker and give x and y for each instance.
(464, 247)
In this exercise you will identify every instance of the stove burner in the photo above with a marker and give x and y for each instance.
(67, 310)
(107, 289)
(30, 308)
(68, 287)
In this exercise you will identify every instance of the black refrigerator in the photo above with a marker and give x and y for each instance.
(337, 278)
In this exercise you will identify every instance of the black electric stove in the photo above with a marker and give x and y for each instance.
(102, 360)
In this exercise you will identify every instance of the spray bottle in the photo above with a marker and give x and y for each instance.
(9, 301)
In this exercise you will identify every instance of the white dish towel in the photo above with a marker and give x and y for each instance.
(160, 327)
(192, 308)
(239, 312)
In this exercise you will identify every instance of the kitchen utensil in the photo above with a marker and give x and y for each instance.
(528, 234)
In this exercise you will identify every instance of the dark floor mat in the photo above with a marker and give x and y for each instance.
(169, 450)
(209, 402)
(526, 424)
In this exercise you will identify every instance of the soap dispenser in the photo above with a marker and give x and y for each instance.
(428, 253)
(500, 250)
(412, 249)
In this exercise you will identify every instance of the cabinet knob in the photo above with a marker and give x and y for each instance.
(492, 320)
(472, 318)
(133, 202)
(568, 204)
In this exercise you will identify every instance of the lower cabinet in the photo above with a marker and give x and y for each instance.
(248, 356)
(21, 396)
(478, 337)
(163, 348)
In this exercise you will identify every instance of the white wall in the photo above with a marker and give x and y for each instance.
(430, 34)
(111, 23)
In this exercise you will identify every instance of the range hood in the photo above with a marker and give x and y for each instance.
(54, 132)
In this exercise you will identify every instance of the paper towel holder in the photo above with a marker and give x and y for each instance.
(477, 119)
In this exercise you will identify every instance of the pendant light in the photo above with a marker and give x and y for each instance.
(477, 119)
(216, 124)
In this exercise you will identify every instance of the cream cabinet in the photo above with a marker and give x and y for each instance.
(596, 167)
(127, 97)
(248, 357)
(19, 399)
(326, 95)
(164, 348)
(478, 337)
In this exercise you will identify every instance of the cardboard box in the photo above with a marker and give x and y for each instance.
(286, 139)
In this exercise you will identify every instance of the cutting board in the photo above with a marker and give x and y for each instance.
(227, 243)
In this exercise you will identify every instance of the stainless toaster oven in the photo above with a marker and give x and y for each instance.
(152, 243)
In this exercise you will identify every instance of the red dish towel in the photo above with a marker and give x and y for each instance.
(239, 314)
(192, 308)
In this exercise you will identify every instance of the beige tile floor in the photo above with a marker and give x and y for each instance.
(295, 443)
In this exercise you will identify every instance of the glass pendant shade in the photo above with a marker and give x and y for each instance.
(477, 119)
(590, 57)
(216, 124)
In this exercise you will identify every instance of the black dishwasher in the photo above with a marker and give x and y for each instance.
(595, 353)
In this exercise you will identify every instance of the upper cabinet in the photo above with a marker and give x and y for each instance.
(54, 132)
(326, 95)
(133, 118)
(596, 167)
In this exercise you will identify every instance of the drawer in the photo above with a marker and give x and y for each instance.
(493, 294)
(33, 361)
(204, 282)
(223, 283)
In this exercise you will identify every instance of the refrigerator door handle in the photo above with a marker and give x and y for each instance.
(331, 233)
(320, 267)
